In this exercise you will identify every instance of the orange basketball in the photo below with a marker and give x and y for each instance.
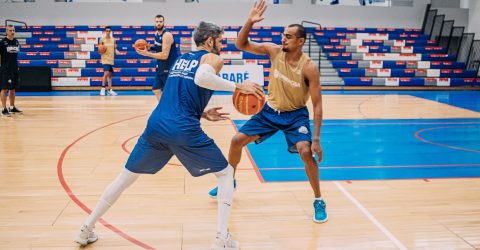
(102, 49)
(247, 104)
(140, 44)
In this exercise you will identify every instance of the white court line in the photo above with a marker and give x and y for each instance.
(86, 108)
(371, 218)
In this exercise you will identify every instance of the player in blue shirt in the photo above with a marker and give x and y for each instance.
(174, 129)
(165, 52)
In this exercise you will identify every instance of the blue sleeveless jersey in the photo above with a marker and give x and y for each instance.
(164, 65)
(176, 119)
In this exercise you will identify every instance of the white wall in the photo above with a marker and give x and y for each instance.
(460, 16)
(474, 18)
(177, 12)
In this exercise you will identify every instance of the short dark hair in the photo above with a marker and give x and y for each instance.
(160, 16)
(108, 28)
(301, 33)
(9, 26)
(206, 30)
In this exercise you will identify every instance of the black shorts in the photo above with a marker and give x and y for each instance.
(107, 67)
(8, 80)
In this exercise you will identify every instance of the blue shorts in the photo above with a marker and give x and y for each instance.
(149, 157)
(160, 79)
(294, 124)
(107, 68)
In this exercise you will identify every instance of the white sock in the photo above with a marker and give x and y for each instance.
(110, 195)
(319, 198)
(11, 107)
(224, 198)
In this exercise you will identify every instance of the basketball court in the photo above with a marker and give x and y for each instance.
(400, 132)
(400, 171)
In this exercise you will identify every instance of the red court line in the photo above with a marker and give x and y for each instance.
(124, 147)
(75, 199)
(417, 135)
(260, 177)
(124, 144)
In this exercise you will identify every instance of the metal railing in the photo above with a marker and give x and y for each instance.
(473, 62)
(456, 41)
(15, 21)
(446, 33)
(9, 21)
(437, 28)
(312, 39)
(465, 47)
(429, 22)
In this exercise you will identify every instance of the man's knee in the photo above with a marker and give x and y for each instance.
(240, 140)
(304, 150)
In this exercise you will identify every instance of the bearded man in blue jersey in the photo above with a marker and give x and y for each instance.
(174, 129)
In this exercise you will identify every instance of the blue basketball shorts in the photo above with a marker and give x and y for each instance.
(150, 156)
(160, 79)
(294, 124)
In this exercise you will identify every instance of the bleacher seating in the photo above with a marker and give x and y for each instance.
(388, 57)
(71, 52)
(350, 56)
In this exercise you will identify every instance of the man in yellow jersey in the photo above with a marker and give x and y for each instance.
(293, 79)
(107, 60)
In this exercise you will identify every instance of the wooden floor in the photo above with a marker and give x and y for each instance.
(75, 143)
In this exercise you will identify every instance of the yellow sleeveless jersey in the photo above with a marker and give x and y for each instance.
(109, 56)
(287, 90)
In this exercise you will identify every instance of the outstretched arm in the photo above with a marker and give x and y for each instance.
(242, 43)
(207, 77)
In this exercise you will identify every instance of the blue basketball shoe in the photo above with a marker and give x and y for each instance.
(213, 192)
(320, 215)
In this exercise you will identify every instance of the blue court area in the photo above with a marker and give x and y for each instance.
(467, 99)
(385, 149)
(378, 150)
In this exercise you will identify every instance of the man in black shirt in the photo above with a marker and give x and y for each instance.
(9, 48)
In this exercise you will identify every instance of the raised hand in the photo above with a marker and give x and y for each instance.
(256, 13)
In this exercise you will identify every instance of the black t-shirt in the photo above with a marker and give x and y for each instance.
(9, 51)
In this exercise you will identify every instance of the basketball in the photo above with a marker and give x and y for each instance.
(247, 104)
(140, 44)
(102, 49)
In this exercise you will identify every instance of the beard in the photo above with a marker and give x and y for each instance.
(285, 49)
(215, 50)
(159, 29)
